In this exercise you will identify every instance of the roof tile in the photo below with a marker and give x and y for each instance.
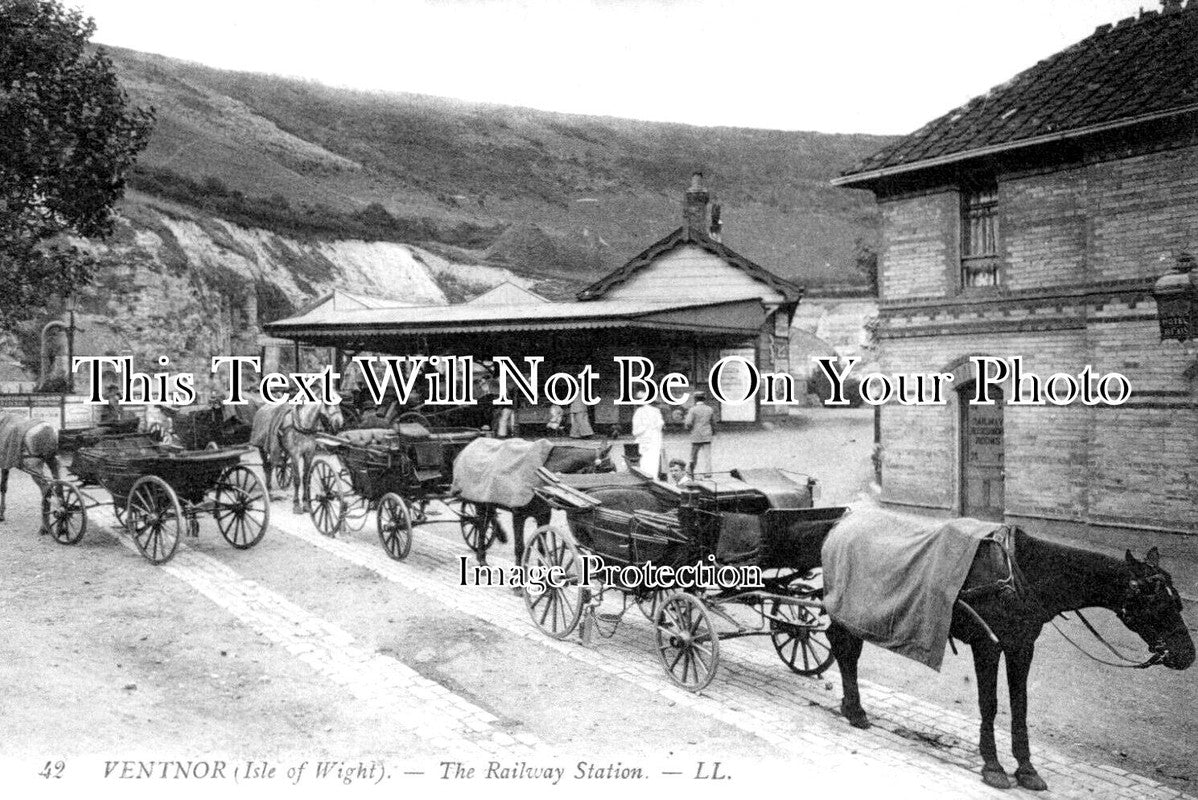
(1138, 67)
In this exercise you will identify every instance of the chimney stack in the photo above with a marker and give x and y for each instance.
(694, 207)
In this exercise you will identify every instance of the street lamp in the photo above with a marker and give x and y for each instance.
(69, 305)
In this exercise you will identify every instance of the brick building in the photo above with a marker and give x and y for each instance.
(1033, 221)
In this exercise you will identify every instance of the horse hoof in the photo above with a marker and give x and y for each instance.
(297, 509)
(1030, 779)
(996, 778)
(501, 537)
(856, 717)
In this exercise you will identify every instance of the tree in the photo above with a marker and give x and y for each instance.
(68, 137)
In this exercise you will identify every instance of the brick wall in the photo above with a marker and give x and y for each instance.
(919, 245)
(1082, 227)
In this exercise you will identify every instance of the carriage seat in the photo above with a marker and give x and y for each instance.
(780, 490)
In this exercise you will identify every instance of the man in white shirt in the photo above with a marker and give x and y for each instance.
(647, 424)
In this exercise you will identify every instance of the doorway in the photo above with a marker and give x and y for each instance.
(982, 466)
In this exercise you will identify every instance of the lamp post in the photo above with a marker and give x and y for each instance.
(69, 305)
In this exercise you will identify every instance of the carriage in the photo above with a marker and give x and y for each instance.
(158, 493)
(71, 439)
(755, 518)
(390, 474)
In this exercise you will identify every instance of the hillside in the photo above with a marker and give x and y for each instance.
(562, 196)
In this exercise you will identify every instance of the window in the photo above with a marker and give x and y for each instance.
(979, 237)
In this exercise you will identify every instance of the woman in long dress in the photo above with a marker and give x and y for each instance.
(580, 423)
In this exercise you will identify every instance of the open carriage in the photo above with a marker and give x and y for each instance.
(392, 475)
(760, 519)
(158, 493)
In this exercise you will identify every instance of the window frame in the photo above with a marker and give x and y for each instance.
(979, 201)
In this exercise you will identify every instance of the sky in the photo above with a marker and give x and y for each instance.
(847, 66)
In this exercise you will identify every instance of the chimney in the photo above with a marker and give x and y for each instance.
(694, 207)
(1170, 6)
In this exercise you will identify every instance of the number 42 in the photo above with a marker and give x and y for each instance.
(53, 769)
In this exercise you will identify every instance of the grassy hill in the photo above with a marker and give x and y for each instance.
(562, 196)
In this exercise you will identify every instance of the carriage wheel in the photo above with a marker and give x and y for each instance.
(687, 642)
(649, 603)
(479, 525)
(154, 518)
(284, 473)
(802, 641)
(326, 489)
(63, 514)
(240, 507)
(414, 418)
(395, 526)
(555, 611)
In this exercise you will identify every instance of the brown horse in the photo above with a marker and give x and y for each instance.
(38, 447)
(1048, 579)
(289, 432)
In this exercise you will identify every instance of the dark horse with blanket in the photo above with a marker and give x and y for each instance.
(502, 473)
(1010, 585)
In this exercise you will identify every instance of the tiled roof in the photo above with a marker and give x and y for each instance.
(689, 235)
(1139, 68)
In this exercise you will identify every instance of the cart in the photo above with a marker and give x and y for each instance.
(158, 493)
(637, 522)
(390, 475)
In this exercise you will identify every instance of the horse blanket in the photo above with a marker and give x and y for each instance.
(501, 471)
(893, 579)
(265, 431)
(12, 439)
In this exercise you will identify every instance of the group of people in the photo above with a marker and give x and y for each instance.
(647, 427)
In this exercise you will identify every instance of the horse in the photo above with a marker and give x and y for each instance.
(22, 441)
(568, 459)
(1045, 579)
(289, 432)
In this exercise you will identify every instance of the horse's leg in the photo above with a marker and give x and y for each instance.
(3, 492)
(1019, 664)
(847, 649)
(299, 475)
(267, 469)
(309, 455)
(985, 667)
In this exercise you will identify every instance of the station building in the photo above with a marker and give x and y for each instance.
(685, 302)
(1035, 221)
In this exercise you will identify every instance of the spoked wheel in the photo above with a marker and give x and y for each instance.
(556, 610)
(154, 518)
(328, 503)
(479, 525)
(395, 526)
(240, 507)
(687, 641)
(63, 514)
(284, 474)
(802, 640)
(650, 602)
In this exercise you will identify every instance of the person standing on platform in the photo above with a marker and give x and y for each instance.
(699, 421)
(647, 424)
(580, 423)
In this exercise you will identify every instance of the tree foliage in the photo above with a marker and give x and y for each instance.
(865, 259)
(67, 138)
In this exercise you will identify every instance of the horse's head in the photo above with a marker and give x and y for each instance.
(331, 416)
(1151, 608)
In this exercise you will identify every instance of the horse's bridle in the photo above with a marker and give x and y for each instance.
(321, 423)
(1132, 614)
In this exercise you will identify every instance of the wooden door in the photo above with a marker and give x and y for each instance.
(982, 466)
